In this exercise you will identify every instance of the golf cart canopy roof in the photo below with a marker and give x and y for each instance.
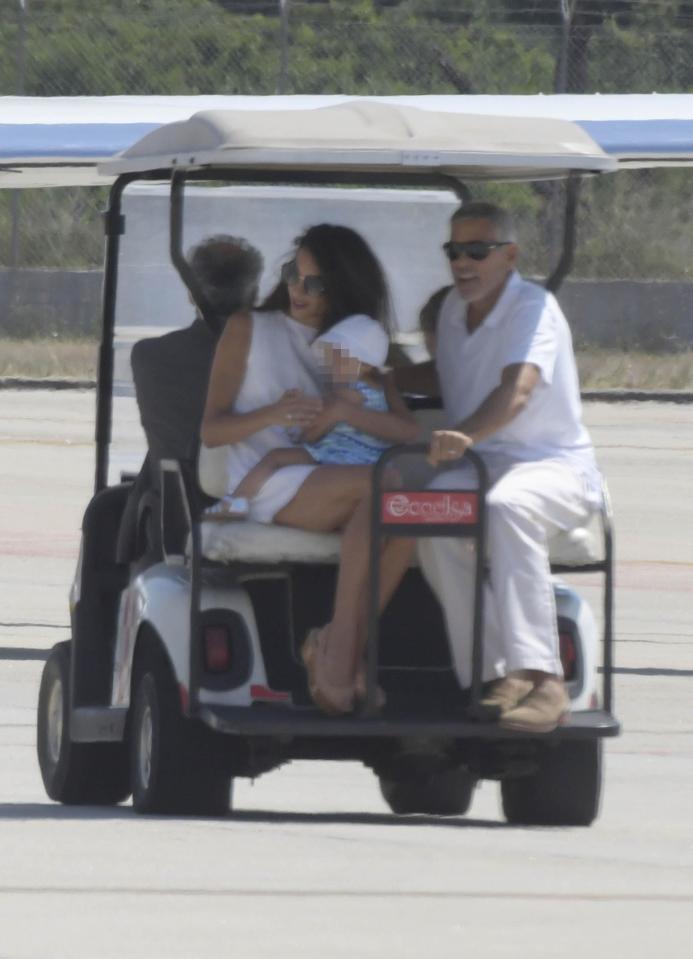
(60, 141)
(639, 130)
(365, 135)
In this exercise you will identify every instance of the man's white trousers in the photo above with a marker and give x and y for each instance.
(526, 504)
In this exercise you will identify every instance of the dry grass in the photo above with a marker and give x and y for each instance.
(614, 369)
(599, 369)
(48, 358)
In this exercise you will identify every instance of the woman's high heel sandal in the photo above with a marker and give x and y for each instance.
(308, 649)
(330, 698)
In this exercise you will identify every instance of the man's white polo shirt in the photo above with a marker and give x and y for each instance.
(525, 326)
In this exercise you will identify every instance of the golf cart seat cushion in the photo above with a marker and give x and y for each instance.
(244, 541)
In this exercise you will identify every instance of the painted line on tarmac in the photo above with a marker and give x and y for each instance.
(597, 396)
(637, 396)
(24, 625)
(629, 671)
(317, 893)
(38, 441)
(22, 654)
(26, 546)
(671, 639)
(645, 449)
(44, 383)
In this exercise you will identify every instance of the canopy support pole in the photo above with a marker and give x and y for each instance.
(564, 265)
(114, 227)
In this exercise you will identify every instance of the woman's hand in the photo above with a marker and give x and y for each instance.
(347, 395)
(335, 409)
(296, 409)
(447, 445)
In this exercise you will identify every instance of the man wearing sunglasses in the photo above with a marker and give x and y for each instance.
(506, 372)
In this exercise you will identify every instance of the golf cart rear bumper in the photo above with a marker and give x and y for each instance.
(272, 720)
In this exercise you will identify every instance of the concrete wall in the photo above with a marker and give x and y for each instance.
(631, 314)
(50, 302)
(405, 228)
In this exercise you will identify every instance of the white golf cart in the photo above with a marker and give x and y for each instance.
(183, 669)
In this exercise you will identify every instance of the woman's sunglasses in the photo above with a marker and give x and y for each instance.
(475, 249)
(311, 285)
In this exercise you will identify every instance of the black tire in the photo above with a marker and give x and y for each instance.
(564, 791)
(75, 774)
(177, 764)
(445, 793)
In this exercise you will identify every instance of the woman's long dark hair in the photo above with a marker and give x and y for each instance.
(354, 280)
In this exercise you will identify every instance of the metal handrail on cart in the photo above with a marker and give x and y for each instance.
(451, 512)
(469, 521)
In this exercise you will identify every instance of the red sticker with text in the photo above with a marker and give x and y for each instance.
(429, 507)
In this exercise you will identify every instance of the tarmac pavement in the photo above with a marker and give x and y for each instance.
(311, 863)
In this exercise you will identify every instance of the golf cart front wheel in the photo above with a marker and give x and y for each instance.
(74, 773)
(445, 793)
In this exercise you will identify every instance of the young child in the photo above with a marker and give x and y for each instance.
(351, 353)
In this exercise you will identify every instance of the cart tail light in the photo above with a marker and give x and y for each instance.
(217, 649)
(568, 654)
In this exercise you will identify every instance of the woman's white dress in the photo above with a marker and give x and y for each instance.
(279, 359)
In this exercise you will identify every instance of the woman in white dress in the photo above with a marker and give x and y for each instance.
(265, 382)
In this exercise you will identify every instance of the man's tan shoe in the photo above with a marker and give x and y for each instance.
(541, 710)
(504, 694)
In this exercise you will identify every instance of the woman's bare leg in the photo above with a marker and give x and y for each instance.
(348, 629)
(395, 559)
(338, 497)
(343, 498)
(327, 499)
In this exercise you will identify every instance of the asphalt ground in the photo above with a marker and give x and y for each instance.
(311, 863)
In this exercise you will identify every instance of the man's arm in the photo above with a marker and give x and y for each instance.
(418, 378)
(501, 406)
(504, 403)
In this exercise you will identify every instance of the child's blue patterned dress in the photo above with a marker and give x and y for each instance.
(344, 445)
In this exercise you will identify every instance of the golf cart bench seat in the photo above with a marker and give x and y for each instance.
(245, 541)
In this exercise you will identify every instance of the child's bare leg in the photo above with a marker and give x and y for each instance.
(253, 481)
(256, 478)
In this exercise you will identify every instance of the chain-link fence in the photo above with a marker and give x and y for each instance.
(86, 47)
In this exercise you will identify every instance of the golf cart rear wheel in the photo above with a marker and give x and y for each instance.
(74, 773)
(564, 791)
(177, 764)
(445, 793)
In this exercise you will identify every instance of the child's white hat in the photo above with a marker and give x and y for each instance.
(360, 336)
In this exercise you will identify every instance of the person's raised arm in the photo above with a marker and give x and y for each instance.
(500, 407)
(220, 425)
